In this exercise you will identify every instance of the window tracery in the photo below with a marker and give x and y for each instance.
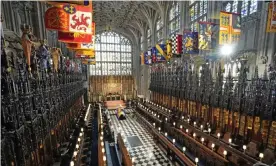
(198, 12)
(113, 53)
(244, 9)
(174, 18)
(228, 7)
(253, 6)
(159, 29)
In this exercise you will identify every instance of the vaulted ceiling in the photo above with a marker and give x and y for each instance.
(129, 18)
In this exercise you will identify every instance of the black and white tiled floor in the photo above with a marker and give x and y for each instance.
(148, 153)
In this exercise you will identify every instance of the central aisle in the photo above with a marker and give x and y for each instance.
(139, 142)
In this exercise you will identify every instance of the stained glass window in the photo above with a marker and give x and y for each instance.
(253, 6)
(112, 50)
(228, 7)
(235, 6)
(204, 6)
(244, 9)
(159, 29)
(174, 18)
(198, 12)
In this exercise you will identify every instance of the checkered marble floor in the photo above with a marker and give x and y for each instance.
(148, 153)
(127, 111)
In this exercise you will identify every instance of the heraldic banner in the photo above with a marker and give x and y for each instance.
(271, 18)
(79, 2)
(158, 55)
(69, 18)
(147, 58)
(88, 52)
(190, 43)
(86, 62)
(230, 28)
(84, 56)
(68, 37)
(207, 41)
(176, 44)
(142, 58)
(224, 30)
(80, 46)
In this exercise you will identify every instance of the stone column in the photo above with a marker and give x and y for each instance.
(266, 41)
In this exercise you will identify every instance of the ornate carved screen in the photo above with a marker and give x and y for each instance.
(107, 85)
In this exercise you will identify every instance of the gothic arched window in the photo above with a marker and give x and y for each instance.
(113, 55)
(228, 7)
(159, 30)
(198, 12)
(248, 7)
(244, 9)
(174, 18)
(253, 6)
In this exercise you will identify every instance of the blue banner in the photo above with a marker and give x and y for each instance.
(159, 53)
(147, 58)
(190, 43)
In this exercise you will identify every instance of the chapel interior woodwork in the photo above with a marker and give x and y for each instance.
(240, 108)
(111, 87)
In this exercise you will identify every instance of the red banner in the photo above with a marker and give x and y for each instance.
(70, 18)
(80, 45)
(74, 37)
(77, 37)
(271, 18)
(56, 19)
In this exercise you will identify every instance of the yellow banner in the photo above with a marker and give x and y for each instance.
(271, 18)
(161, 51)
(230, 28)
(86, 62)
(169, 50)
(224, 31)
(142, 58)
(85, 52)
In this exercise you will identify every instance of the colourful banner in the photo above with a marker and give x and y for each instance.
(168, 53)
(224, 31)
(235, 28)
(230, 28)
(56, 19)
(147, 58)
(271, 18)
(80, 46)
(89, 52)
(142, 58)
(84, 2)
(207, 40)
(84, 56)
(89, 62)
(190, 43)
(176, 44)
(74, 37)
(159, 53)
(69, 18)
